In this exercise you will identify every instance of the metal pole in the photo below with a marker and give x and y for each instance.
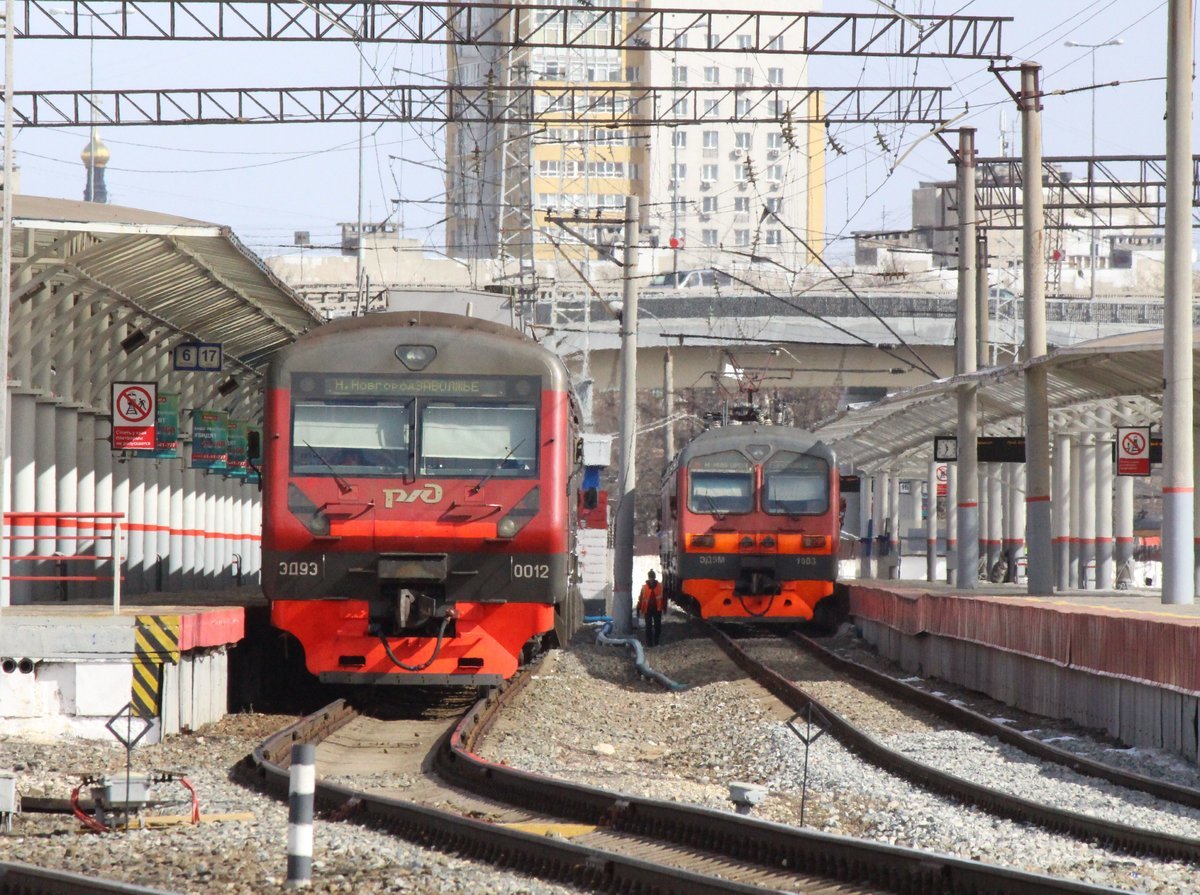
(6, 213)
(982, 301)
(302, 784)
(1092, 178)
(966, 572)
(1038, 533)
(951, 521)
(668, 407)
(1178, 525)
(622, 608)
(1123, 524)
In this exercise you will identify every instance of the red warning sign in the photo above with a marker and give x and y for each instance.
(133, 415)
(1133, 450)
(942, 474)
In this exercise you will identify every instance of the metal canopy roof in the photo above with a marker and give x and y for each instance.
(186, 280)
(1093, 386)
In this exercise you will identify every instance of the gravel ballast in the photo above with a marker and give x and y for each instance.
(587, 716)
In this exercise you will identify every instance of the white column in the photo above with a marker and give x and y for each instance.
(210, 526)
(162, 535)
(879, 523)
(149, 471)
(85, 502)
(1087, 513)
(1015, 544)
(193, 518)
(24, 490)
(175, 537)
(47, 493)
(135, 543)
(1105, 457)
(931, 523)
(951, 521)
(1123, 519)
(256, 529)
(866, 525)
(1061, 510)
(1075, 526)
(103, 460)
(226, 526)
(66, 461)
(995, 512)
(121, 504)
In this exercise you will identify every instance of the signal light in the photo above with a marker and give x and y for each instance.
(415, 357)
(703, 541)
(814, 541)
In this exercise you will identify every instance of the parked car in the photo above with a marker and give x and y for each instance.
(689, 279)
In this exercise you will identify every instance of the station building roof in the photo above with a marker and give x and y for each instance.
(177, 279)
(1093, 387)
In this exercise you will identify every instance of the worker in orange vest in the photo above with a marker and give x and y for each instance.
(651, 603)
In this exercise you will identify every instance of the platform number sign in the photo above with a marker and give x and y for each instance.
(1133, 450)
(202, 357)
(134, 406)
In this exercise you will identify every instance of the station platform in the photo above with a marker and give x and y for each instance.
(68, 668)
(1120, 661)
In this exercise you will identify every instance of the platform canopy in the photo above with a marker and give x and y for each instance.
(1093, 387)
(101, 292)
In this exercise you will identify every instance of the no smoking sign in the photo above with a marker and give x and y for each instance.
(134, 406)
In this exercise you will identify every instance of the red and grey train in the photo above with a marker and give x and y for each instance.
(751, 526)
(417, 468)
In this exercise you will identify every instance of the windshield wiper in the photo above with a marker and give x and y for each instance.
(483, 481)
(713, 507)
(343, 486)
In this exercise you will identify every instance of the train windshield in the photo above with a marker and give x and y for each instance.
(795, 484)
(351, 439)
(478, 440)
(721, 483)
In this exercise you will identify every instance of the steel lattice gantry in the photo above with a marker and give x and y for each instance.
(518, 25)
(548, 106)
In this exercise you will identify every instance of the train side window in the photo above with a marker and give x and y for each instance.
(795, 484)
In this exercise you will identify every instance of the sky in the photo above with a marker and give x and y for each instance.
(269, 181)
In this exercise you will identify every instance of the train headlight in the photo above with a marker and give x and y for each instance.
(416, 357)
(814, 541)
(703, 541)
(507, 527)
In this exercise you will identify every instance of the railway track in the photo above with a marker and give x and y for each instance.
(864, 742)
(607, 841)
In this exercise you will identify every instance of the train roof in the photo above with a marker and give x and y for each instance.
(365, 345)
(400, 319)
(739, 438)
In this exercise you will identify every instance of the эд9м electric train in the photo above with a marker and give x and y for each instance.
(417, 472)
(751, 526)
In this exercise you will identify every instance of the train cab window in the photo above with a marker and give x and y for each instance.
(478, 440)
(795, 484)
(721, 483)
(350, 439)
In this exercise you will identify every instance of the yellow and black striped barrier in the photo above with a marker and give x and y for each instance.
(155, 642)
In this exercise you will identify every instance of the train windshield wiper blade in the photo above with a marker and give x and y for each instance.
(487, 478)
(343, 486)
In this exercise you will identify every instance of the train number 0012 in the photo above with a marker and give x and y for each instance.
(530, 570)
(300, 569)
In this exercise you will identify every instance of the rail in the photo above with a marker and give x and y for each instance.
(88, 527)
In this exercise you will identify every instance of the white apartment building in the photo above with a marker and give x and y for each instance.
(702, 186)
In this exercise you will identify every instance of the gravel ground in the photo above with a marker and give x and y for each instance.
(625, 734)
(232, 857)
(678, 747)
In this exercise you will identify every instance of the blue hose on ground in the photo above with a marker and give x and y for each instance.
(639, 657)
(593, 619)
